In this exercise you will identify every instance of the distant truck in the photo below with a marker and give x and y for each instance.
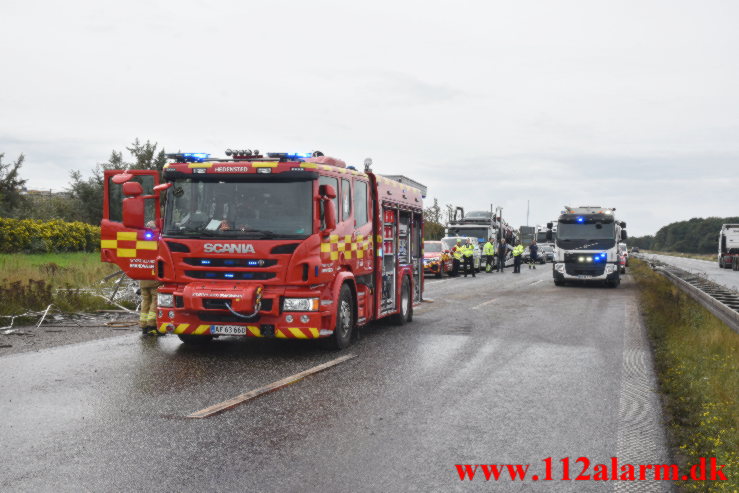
(586, 246)
(527, 234)
(728, 246)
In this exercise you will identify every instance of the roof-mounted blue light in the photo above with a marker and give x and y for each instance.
(189, 157)
(299, 155)
(196, 156)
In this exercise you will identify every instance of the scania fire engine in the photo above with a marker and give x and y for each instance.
(586, 245)
(284, 245)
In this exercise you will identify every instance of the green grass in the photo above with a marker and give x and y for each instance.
(697, 361)
(31, 282)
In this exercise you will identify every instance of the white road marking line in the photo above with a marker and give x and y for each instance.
(536, 282)
(240, 399)
(483, 304)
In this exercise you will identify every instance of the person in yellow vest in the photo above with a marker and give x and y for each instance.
(457, 257)
(468, 250)
(517, 253)
(489, 251)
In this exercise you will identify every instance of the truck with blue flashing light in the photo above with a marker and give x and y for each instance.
(587, 245)
(282, 245)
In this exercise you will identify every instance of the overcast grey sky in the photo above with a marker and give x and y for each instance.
(627, 104)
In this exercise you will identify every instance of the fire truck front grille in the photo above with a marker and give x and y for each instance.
(236, 275)
(220, 304)
(230, 262)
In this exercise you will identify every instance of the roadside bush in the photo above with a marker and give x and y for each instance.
(32, 236)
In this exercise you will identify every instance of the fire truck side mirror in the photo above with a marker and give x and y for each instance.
(623, 234)
(163, 187)
(549, 235)
(132, 189)
(327, 191)
(549, 225)
(133, 211)
(329, 215)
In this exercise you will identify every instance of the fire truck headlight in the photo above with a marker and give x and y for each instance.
(610, 268)
(559, 268)
(165, 300)
(300, 305)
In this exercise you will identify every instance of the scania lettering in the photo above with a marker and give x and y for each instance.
(285, 245)
(586, 246)
(228, 248)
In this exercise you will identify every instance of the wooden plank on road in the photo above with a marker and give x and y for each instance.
(240, 399)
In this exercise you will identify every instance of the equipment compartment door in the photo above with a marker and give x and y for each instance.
(133, 250)
(416, 240)
(389, 252)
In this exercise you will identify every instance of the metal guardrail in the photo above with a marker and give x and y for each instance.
(719, 300)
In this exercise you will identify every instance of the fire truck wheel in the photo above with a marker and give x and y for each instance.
(406, 304)
(194, 340)
(342, 335)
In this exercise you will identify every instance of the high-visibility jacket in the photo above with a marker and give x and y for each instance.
(517, 250)
(457, 252)
(469, 250)
(488, 249)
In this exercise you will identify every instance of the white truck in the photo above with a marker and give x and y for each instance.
(728, 246)
(586, 245)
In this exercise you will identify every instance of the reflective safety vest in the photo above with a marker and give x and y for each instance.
(517, 250)
(469, 250)
(458, 252)
(488, 249)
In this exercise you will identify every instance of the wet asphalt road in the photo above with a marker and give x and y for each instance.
(503, 368)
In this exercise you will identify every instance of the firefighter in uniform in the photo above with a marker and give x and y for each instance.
(468, 251)
(517, 253)
(489, 251)
(456, 258)
(148, 315)
(148, 289)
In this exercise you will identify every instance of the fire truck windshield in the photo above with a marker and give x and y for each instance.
(254, 210)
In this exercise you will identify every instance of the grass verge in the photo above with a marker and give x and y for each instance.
(32, 281)
(697, 361)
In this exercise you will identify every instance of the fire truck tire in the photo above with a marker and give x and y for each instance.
(342, 336)
(559, 283)
(194, 340)
(406, 304)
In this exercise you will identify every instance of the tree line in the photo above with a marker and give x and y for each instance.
(83, 197)
(696, 235)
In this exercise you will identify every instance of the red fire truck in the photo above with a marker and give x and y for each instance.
(282, 245)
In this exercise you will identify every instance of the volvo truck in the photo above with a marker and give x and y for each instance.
(586, 245)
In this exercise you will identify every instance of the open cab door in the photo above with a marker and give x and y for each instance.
(129, 204)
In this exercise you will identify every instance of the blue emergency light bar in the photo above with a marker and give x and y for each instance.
(290, 155)
(189, 157)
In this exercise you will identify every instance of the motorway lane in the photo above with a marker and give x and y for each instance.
(502, 368)
(711, 270)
